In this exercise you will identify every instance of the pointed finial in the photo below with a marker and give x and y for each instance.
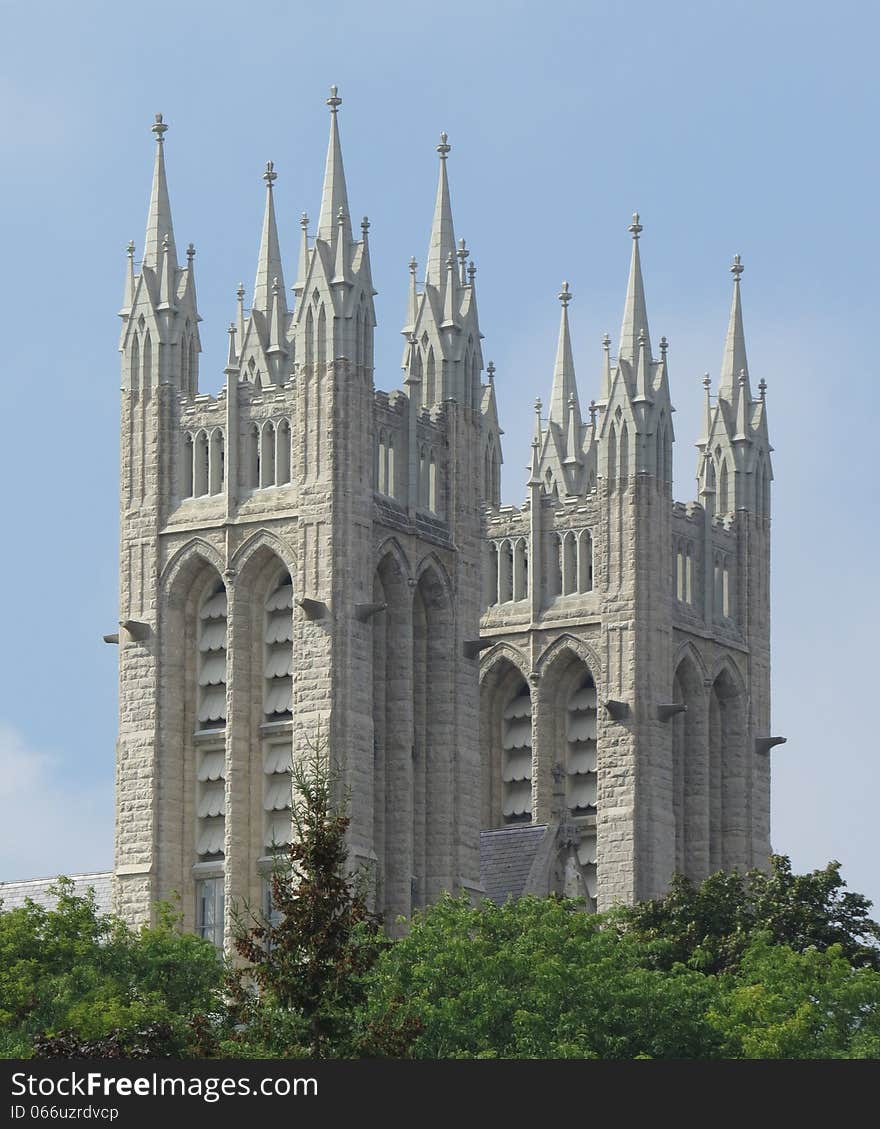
(707, 381)
(450, 261)
(593, 411)
(762, 389)
(413, 266)
(444, 146)
(190, 252)
(565, 295)
(270, 175)
(240, 292)
(606, 342)
(490, 371)
(737, 268)
(365, 226)
(304, 221)
(472, 270)
(462, 251)
(334, 101)
(159, 127)
(129, 250)
(664, 346)
(538, 407)
(635, 227)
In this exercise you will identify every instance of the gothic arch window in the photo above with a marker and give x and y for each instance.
(216, 461)
(134, 364)
(390, 471)
(679, 571)
(282, 455)
(212, 659)
(433, 500)
(505, 572)
(423, 478)
(146, 365)
(430, 378)
(416, 368)
(381, 465)
(581, 759)
(516, 760)
(490, 575)
(585, 561)
(521, 569)
(186, 466)
(321, 350)
(201, 465)
(267, 454)
(612, 456)
(723, 496)
(211, 757)
(624, 454)
(254, 457)
(568, 562)
(728, 769)
(310, 339)
(689, 574)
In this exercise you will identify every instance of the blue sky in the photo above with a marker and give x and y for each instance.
(731, 127)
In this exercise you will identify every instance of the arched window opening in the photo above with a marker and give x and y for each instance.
(216, 460)
(689, 575)
(267, 454)
(423, 478)
(282, 456)
(390, 471)
(134, 368)
(381, 464)
(254, 458)
(321, 351)
(212, 660)
(147, 366)
(581, 758)
(186, 467)
(416, 371)
(521, 570)
(717, 583)
(433, 505)
(505, 572)
(723, 498)
(624, 454)
(490, 575)
(516, 758)
(430, 378)
(585, 561)
(612, 456)
(200, 465)
(278, 707)
(310, 339)
(679, 571)
(725, 588)
(569, 564)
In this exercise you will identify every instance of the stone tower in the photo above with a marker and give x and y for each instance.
(625, 703)
(572, 695)
(300, 562)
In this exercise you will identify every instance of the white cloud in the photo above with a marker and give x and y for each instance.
(48, 824)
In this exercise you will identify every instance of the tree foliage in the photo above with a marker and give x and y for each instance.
(74, 972)
(303, 978)
(710, 926)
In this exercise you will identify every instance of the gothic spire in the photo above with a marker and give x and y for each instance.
(159, 216)
(635, 316)
(335, 195)
(269, 260)
(564, 385)
(734, 362)
(442, 244)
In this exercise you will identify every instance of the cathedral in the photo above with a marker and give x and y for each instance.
(571, 694)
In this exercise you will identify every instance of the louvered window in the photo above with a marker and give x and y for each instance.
(580, 733)
(278, 706)
(211, 756)
(516, 757)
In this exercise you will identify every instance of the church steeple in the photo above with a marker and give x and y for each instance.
(635, 316)
(564, 397)
(442, 243)
(334, 195)
(269, 260)
(734, 362)
(159, 223)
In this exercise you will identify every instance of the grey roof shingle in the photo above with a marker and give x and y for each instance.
(13, 894)
(506, 858)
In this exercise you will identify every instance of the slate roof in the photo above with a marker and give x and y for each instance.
(506, 858)
(13, 894)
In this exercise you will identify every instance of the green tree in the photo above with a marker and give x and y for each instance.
(537, 978)
(301, 986)
(710, 926)
(76, 972)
